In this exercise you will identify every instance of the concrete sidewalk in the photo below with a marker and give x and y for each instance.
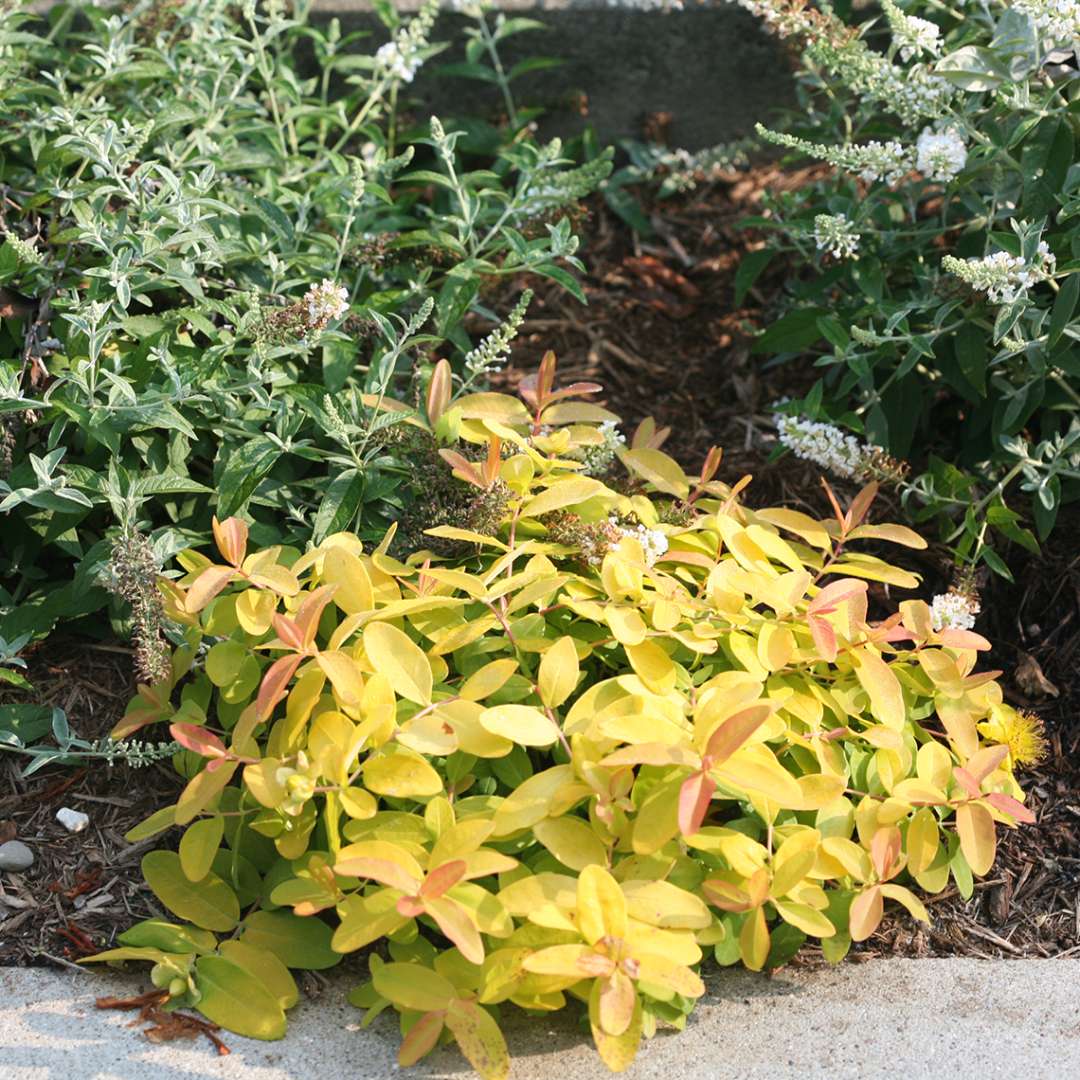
(909, 1019)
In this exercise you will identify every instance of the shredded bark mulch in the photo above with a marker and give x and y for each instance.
(83, 888)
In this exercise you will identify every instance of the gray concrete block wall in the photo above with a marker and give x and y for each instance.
(711, 67)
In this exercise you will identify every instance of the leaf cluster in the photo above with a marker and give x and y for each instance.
(573, 763)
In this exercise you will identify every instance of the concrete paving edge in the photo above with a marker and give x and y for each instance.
(909, 1019)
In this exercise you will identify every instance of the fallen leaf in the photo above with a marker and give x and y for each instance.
(1030, 678)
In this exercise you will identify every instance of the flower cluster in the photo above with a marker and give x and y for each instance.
(325, 302)
(1060, 19)
(398, 62)
(889, 161)
(599, 458)
(835, 234)
(913, 94)
(24, 250)
(954, 610)
(491, 353)
(914, 35)
(835, 450)
(784, 19)
(131, 574)
(1003, 277)
(402, 57)
(940, 155)
(653, 542)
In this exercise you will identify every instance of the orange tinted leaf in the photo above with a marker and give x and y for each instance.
(867, 910)
(615, 1006)
(734, 731)
(695, 795)
(422, 1038)
(978, 839)
(274, 684)
(206, 586)
(231, 537)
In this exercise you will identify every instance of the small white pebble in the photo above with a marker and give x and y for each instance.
(72, 820)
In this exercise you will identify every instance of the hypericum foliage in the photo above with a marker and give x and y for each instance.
(547, 770)
(940, 298)
(208, 256)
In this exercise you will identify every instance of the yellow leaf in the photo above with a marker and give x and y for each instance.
(522, 724)
(559, 672)
(572, 842)
(601, 906)
(531, 800)
(344, 675)
(881, 684)
(754, 940)
(562, 493)
(486, 680)
(805, 918)
(616, 1051)
(488, 406)
(626, 624)
(872, 569)
(802, 525)
(413, 986)
(354, 593)
(658, 469)
(479, 1039)
(472, 737)
(401, 774)
(895, 534)
(914, 905)
(775, 646)
(922, 840)
(394, 654)
(255, 610)
(652, 665)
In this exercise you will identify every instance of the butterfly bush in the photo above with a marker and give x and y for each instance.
(950, 342)
(229, 262)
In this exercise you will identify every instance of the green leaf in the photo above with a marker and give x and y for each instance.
(1062, 313)
(169, 937)
(199, 845)
(28, 723)
(302, 943)
(566, 280)
(237, 1000)
(751, 267)
(209, 904)
(972, 355)
(791, 333)
(340, 505)
(246, 466)
(266, 967)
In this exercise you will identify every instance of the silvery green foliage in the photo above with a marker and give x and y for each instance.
(217, 260)
(67, 748)
(952, 341)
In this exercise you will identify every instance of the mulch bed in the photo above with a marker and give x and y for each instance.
(661, 333)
